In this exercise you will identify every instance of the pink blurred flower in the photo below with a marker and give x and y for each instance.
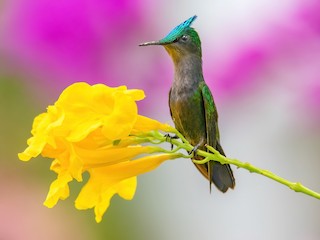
(75, 40)
(286, 54)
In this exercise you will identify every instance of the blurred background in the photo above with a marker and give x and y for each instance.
(262, 61)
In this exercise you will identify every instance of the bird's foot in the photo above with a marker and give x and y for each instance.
(194, 150)
(169, 138)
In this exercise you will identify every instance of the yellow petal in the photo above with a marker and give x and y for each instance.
(109, 156)
(133, 168)
(103, 204)
(35, 147)
(119, 124)
(145, 124)
(69, 162)
(136, 94)
(41, 130)
(99, 197)
(59, 189)
(127, 188)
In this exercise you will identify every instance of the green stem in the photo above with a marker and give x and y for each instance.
(214, 155)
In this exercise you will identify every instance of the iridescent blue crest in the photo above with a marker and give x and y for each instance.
(178, 31)
(173, 35)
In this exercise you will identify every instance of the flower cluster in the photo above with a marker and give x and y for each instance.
(95, 129)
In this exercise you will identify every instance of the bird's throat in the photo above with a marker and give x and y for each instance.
(188, 70)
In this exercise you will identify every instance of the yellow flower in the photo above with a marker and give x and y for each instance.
(95, 129)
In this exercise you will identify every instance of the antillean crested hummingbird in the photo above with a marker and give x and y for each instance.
(192, 108)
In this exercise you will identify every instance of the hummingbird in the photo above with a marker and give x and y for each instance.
(191, 104)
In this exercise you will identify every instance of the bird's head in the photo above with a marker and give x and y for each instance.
(181, 41)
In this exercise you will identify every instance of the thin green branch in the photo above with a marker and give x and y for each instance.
(214, 155)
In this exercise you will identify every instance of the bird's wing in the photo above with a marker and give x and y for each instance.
(220, 175)
(211, 120)
(211, 115)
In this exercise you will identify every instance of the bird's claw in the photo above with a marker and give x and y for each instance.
(169, 138)
(194, 150)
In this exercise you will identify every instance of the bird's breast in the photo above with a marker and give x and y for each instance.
(188, 114)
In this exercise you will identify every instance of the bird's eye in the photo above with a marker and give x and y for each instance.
(184, 38)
